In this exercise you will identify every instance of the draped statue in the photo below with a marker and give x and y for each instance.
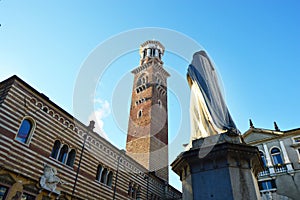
(208, 112)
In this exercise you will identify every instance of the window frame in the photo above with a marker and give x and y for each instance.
(276, 154)
(272, 183)
(30, 134)
(99, 173)
(104, 176)
(294, 139)
(140, 113)
(109, 178)
(6, 192)
(58, 149)
(142, 79)
(298, 153)
(71, 164)
(64, 159)
(263, 157)
(159, 103)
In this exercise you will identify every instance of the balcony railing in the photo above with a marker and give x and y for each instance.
(280, 168)
(265, 172)
(267, 194)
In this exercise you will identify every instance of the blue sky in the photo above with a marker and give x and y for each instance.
(254, 44)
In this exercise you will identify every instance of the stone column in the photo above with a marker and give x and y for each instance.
(268, 158)
(286, 159)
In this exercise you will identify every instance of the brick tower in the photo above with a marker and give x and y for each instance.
(147, 137)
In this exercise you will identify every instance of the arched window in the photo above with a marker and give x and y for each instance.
(276, 156)
(142, 79)
(63, 154)
(25, 131)
(140, 113)
(99, 170)
(159, 104)
(55, 149)
(104, 175)
(156, 53)
(133, 191)
(158, 79)
(71, 158)
(148, 52)
(263, 158)
(109, 178)
(129, 188)
(152, 52)
(139, 82)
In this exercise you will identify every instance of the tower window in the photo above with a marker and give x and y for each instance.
(140, 113)
(159, 104)
(148, 52)
(152, 52)
(25, 131)
(142, 79)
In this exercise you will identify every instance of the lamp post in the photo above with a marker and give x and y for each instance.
(90, 128)
(117, 173)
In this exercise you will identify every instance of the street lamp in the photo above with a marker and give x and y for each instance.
(90, 129)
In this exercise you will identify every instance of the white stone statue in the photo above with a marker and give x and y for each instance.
(208, 112)
(49, 180)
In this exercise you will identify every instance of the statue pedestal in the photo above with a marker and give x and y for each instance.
(219, 167)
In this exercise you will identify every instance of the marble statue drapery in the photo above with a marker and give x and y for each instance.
(208, 111)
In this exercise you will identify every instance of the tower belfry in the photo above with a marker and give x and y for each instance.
(147, 136)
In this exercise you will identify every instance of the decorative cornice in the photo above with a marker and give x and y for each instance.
(149, 64)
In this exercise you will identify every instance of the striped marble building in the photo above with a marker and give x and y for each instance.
(45, 153)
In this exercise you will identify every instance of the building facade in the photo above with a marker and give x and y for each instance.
(46, 153)
(147, 137)
(280, 153)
